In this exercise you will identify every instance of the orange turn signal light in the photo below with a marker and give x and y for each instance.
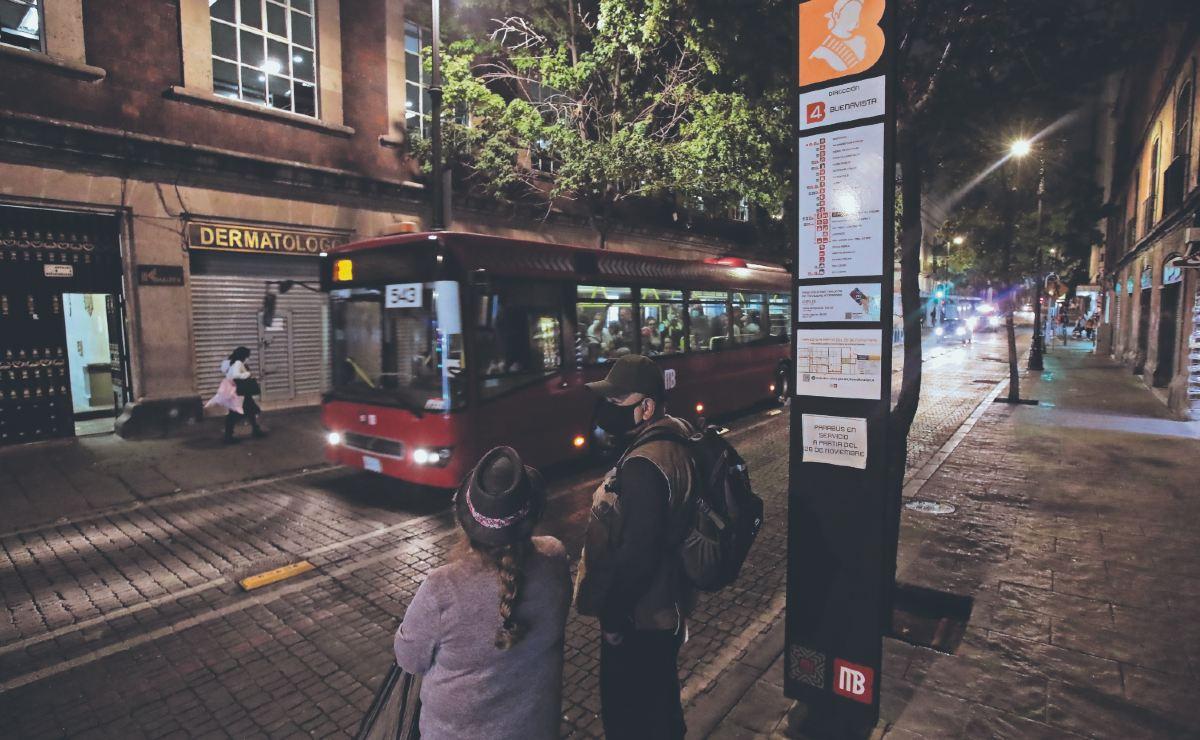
(578, 441)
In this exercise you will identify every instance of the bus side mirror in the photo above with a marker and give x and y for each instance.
(268, 308)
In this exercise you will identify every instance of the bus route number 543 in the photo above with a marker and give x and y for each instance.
(403, 295)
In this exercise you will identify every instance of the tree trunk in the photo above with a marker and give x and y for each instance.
(911, 233)
(909, 156)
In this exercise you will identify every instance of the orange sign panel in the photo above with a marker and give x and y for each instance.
(839, 38)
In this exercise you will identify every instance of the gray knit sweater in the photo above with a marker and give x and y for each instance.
(471, 689)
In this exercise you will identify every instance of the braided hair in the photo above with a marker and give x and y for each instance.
(509, 562)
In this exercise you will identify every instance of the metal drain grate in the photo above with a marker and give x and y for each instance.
(930, 507)
(928, 618)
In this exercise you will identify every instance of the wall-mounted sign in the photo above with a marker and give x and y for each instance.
(62, 271)
(1191, 261)
(839, 363)
(1147, 278)
(260, 239)
(848, 302)
(853, 101)
(835, 440)
(1129, 286)
(160, 275)
(841, 203)
(1172, 272)
(839, 38)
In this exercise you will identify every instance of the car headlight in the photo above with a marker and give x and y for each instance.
(994, 321)
(939, 331)
(972, 322)
(334, 438)
(960, 331)
(434, 457)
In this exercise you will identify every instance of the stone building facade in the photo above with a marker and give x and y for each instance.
(1150, 320)
(161, 161)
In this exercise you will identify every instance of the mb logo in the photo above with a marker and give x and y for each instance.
(853, 681)
(816, 112)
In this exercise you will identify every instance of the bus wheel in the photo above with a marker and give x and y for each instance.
(783, 389)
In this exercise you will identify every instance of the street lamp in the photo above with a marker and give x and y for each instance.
(1022, 148)
(958, 241)
(438, 219)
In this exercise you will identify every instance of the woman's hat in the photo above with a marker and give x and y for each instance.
(501, 500)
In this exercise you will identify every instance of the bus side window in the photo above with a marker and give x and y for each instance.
(662, 321)
(709, 319)
(605, 323)
(746, 317)
(779, 316)
(517, 336)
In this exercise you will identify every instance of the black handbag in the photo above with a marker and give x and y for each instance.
(395, 712)
(247, 387)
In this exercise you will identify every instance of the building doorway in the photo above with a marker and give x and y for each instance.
(63, 369)
(89, 362)
(1143, 339)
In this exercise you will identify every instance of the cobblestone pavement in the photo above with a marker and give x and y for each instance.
(1072, 533)
(129, 622)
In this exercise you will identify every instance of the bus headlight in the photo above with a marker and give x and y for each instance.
(437, 458)
(334, 438)
(939, 331)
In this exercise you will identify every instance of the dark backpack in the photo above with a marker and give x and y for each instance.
(721, 516)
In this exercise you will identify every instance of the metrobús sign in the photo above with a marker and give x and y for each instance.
(260, 239)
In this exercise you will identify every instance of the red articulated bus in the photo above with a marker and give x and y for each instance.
(447, 344)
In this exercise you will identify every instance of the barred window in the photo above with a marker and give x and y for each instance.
(21, 24)
(264, 52)
(417, 105)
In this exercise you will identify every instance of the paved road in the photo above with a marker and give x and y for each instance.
(130, 623)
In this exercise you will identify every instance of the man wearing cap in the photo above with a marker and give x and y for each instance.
(639, 590)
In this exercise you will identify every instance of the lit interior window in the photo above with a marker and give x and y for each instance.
(264, 52)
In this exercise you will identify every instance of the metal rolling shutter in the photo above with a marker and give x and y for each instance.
(225, 314)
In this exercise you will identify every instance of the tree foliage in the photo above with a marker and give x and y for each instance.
(621, 99)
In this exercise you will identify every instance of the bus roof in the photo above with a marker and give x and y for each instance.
(522, 258)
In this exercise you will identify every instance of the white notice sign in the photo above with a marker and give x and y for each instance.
(403, 295)
(843, 103)
(841, 204)
(849, 302)
(839, 363)
(835, 440)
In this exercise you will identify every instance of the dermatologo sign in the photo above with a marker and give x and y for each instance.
(839, 38)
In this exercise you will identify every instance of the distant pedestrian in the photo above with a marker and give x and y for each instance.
(1090, 328)
(236, 394)
(631, 574)
(491, 666)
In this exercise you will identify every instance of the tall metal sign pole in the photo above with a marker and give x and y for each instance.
(841, 525)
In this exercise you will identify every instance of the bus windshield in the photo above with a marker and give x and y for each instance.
(400, 343)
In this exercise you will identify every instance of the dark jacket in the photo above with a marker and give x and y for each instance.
(630, 575)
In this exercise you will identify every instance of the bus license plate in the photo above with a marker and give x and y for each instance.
(372, 464)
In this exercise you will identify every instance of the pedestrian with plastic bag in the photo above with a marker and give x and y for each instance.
(236, 394)
(489, 666)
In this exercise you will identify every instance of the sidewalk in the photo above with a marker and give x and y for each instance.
(1074, 534)
(45, 481)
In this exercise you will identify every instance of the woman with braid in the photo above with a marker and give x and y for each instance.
(486, 630)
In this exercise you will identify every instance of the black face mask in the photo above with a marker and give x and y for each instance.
(616, 420)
